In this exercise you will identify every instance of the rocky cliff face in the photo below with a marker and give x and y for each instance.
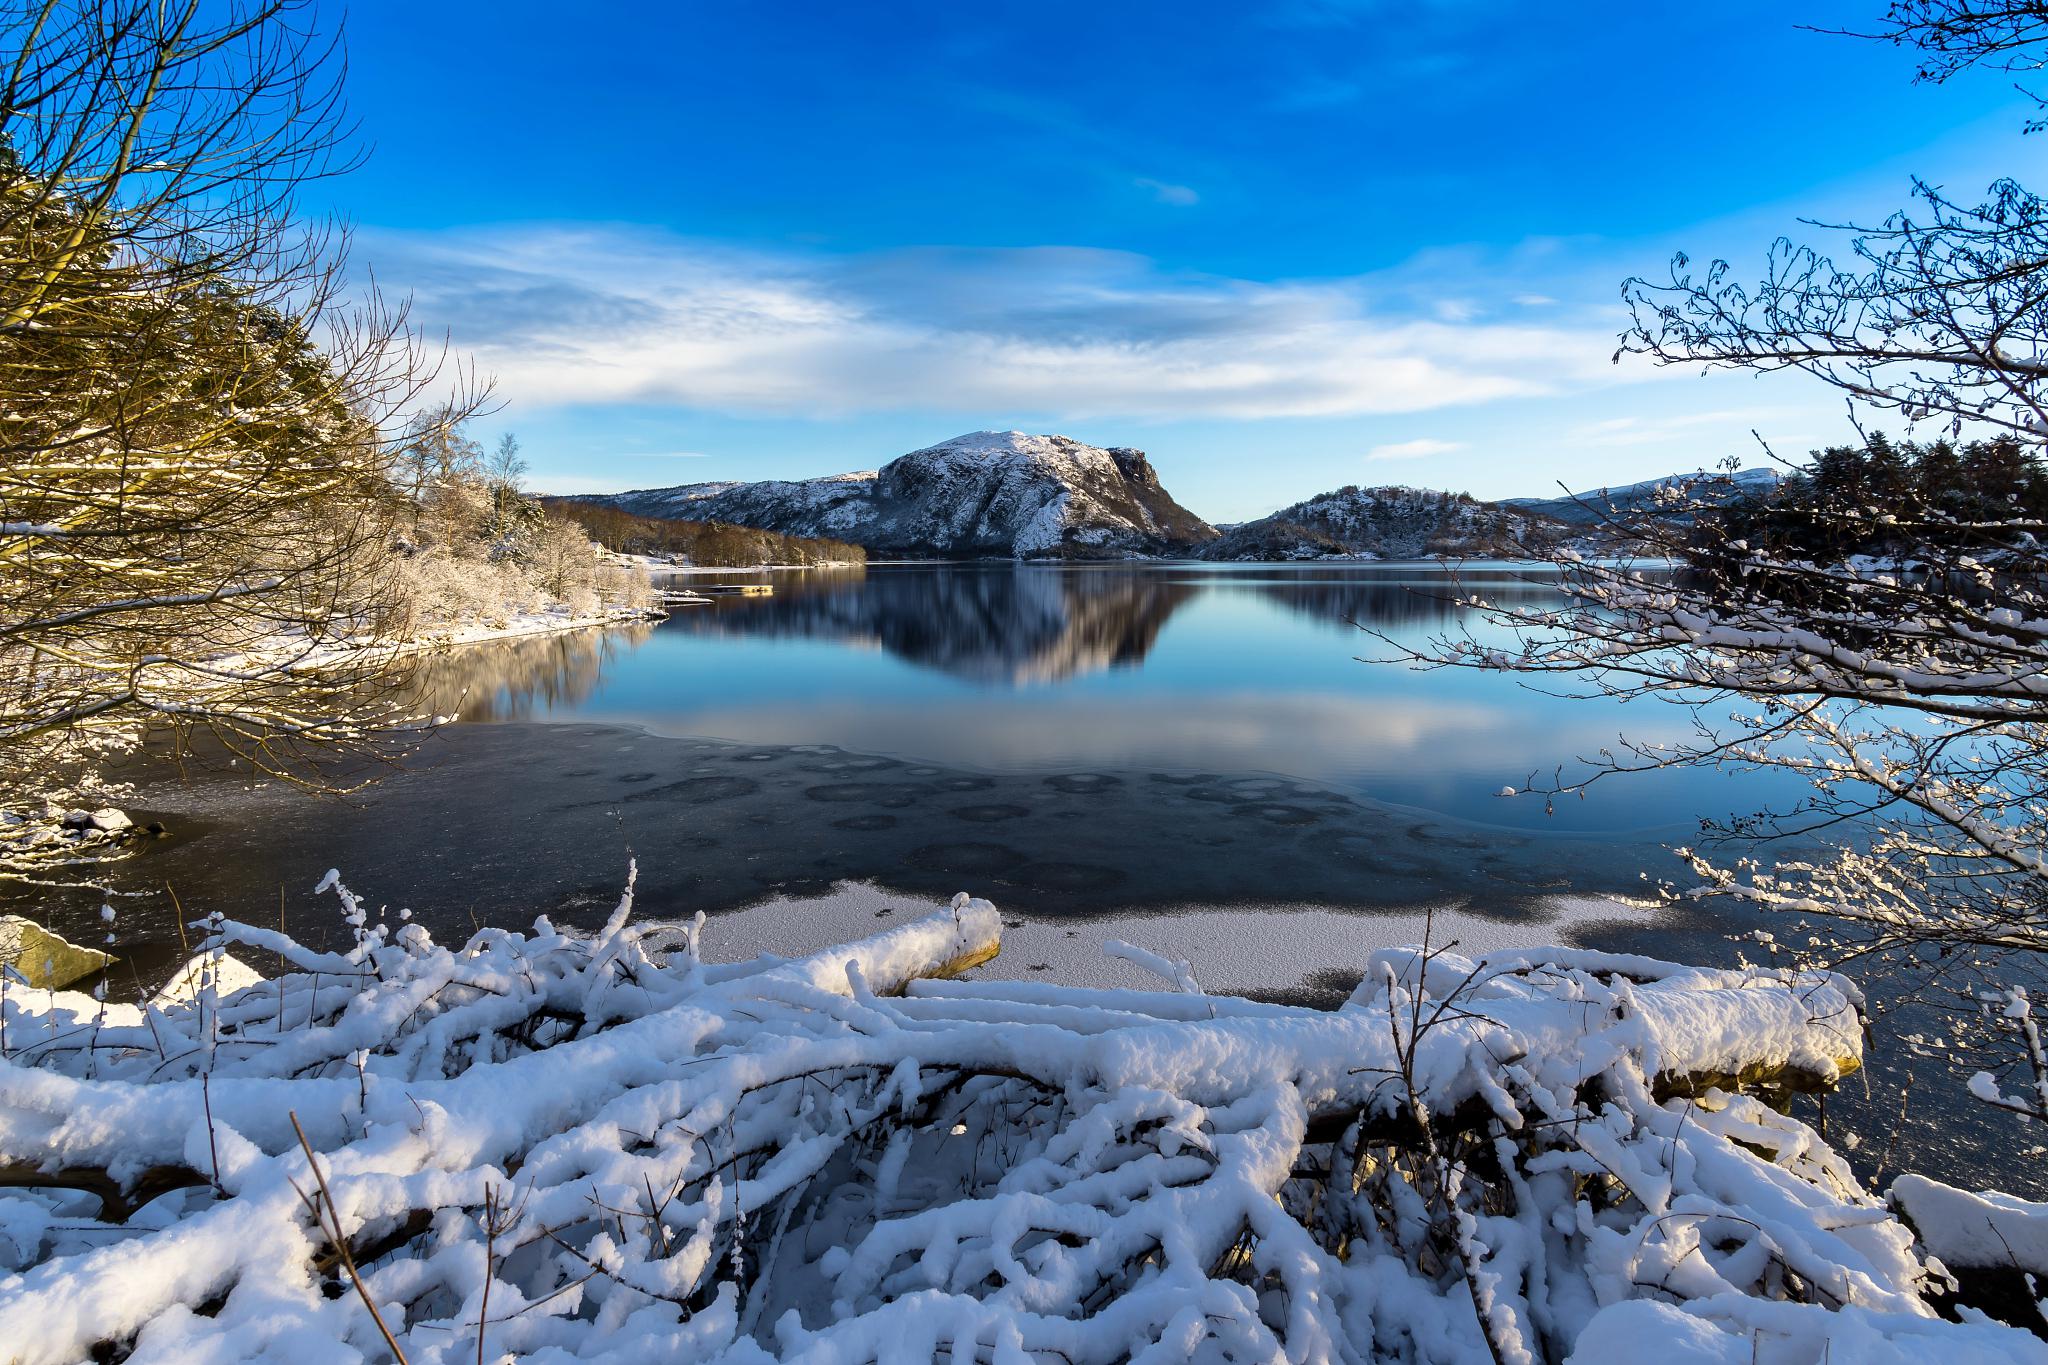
(1385, 523)
(985, 493)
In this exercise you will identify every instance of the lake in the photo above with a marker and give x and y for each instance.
(1198, 758)
(1071, 740)
(1236, 669)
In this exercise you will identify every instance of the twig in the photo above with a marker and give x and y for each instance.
(348, 1262)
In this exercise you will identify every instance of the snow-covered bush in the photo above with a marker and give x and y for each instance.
(441, 588)
(605, 1147)
(477, 549)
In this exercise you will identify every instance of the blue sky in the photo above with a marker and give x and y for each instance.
(1282, 247)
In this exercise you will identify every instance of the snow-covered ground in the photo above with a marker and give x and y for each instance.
(554, 1147)
(518, 625)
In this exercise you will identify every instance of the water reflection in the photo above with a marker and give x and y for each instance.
(992, 625)
(1009, 624)
(1026, 623)
(1169, 667)
(1405, 599)
(524, 679)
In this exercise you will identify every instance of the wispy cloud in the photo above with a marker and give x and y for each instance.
(1413, 450)
(1180, 196)
(606, 315)
(1641, 431)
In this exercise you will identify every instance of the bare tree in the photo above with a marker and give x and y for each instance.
(196, 500)
(1954, 36)
(1909, 687)
(1887, 642)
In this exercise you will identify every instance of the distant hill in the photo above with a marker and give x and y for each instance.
(1389, 522)
(983, 493)
(708, 543)
(1593, 506)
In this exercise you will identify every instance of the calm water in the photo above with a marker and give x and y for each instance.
(1079, 744)
(1235, 669)
(1072, 740)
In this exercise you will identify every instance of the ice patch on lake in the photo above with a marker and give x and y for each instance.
(1259, 949)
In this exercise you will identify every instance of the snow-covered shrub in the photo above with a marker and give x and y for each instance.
(443, 589)
(446, 588)
(605, 1147)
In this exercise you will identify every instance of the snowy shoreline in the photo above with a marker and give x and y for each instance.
(527, 624)
(609, 1147)
(523, 625)
(655, 565)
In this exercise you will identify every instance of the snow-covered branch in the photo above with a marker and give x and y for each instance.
(605, 1147)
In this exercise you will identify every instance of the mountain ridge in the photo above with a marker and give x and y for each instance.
(1018, 495)
(1388, 521)
(981, 493)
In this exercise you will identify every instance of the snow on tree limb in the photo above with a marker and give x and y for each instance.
(625, 1151)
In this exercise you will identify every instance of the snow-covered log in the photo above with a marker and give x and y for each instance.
(564, 1147)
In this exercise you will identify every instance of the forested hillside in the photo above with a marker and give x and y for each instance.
(700, 542)
(1386, 523)
(1886, 498)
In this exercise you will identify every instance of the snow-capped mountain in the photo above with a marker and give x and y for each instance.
(1596, 505)
(1385, 523)
(984, 493)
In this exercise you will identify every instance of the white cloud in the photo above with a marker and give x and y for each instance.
(1180, 196)
(1534, 300)
(613, 316)
(1413, 450)
(1641, 431)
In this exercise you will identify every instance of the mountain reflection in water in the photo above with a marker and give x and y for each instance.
(991, 624)
(1007, 624)
(1021, 667)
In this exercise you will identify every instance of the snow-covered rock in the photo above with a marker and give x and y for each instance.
(223, 972)
(1385, 523)
(1985, 1230)
(984, 493)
